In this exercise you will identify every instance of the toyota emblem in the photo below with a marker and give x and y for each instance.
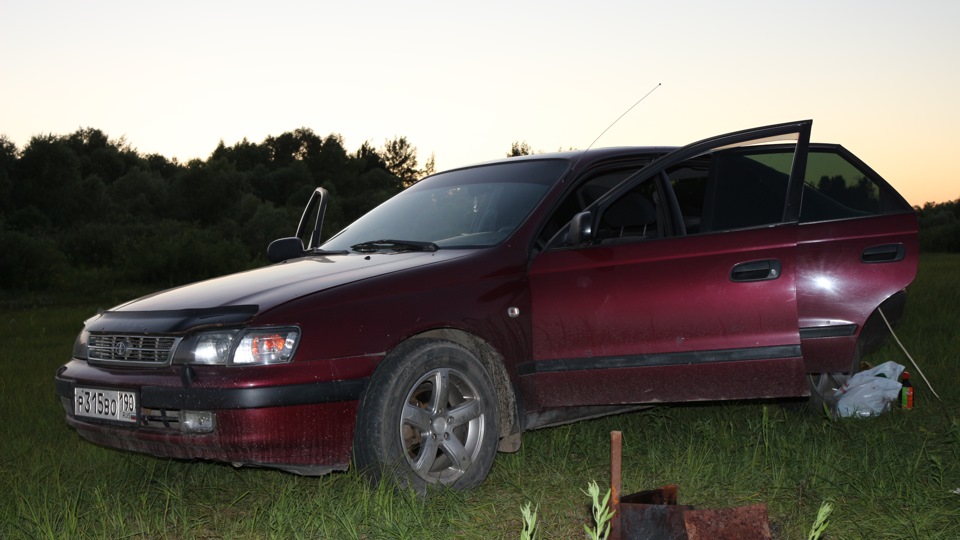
(122, 349)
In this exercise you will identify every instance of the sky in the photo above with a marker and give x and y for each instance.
(463, 80)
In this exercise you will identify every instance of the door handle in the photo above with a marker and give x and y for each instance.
(756, 271)
(883, 254)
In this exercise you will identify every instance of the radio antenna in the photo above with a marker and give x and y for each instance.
(622, 115)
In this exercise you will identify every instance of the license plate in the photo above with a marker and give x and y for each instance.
(118, 405)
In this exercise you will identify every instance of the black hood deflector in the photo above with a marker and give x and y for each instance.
(170, 321)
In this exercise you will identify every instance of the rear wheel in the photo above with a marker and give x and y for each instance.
(824, 386)
(428, 416)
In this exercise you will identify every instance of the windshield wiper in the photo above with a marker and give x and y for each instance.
(393, 245)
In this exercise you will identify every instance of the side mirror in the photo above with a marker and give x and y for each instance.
(316, 205)
(285, 249)
(580, 230)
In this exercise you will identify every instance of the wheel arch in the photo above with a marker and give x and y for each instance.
(871, 336)
(874, 331)
(492, 360)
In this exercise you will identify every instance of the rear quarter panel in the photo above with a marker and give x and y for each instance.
(834, 287)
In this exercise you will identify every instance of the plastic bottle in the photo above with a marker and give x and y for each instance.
(906, 392)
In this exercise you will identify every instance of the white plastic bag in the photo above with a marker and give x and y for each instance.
(869, 392)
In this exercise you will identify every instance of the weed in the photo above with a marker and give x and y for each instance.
(822, 521)
(529, 531)
(601, 513)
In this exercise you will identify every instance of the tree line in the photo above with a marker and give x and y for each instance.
(939, 226)
(82, 210)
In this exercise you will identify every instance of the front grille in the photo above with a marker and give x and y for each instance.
(131, 349)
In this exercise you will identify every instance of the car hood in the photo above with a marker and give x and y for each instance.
(236, 298)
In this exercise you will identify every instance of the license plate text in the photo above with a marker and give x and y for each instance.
(119, 405)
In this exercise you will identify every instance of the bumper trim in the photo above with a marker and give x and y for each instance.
(178, 398)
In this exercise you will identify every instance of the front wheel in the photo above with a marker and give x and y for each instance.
(428, 416)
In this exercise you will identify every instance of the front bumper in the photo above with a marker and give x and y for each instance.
(303, 427)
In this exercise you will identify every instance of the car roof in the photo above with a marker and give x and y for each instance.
(582, 159)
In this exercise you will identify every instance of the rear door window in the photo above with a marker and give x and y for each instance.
(837, 187)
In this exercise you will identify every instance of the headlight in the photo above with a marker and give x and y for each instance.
(212, 347)
(239, 347)
(266, 347)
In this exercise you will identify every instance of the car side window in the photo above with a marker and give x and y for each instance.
(632, 217)
(835, 188)
(748, 190)
(583, 196)
(689, 183)
(732, 190)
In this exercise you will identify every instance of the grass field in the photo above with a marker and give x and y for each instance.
(895, 476)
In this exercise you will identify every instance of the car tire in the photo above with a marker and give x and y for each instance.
(428, 417)
(824, 386)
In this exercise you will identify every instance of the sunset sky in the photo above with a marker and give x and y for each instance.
(463, 80)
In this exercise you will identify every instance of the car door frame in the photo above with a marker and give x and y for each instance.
(543, 379)
(776, 132)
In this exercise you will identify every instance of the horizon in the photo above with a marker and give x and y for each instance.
(463, 82)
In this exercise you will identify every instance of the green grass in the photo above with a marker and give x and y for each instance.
(887, 477)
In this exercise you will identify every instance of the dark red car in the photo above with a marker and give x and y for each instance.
(489, 300)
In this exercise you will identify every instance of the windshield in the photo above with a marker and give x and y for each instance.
(466, 208)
